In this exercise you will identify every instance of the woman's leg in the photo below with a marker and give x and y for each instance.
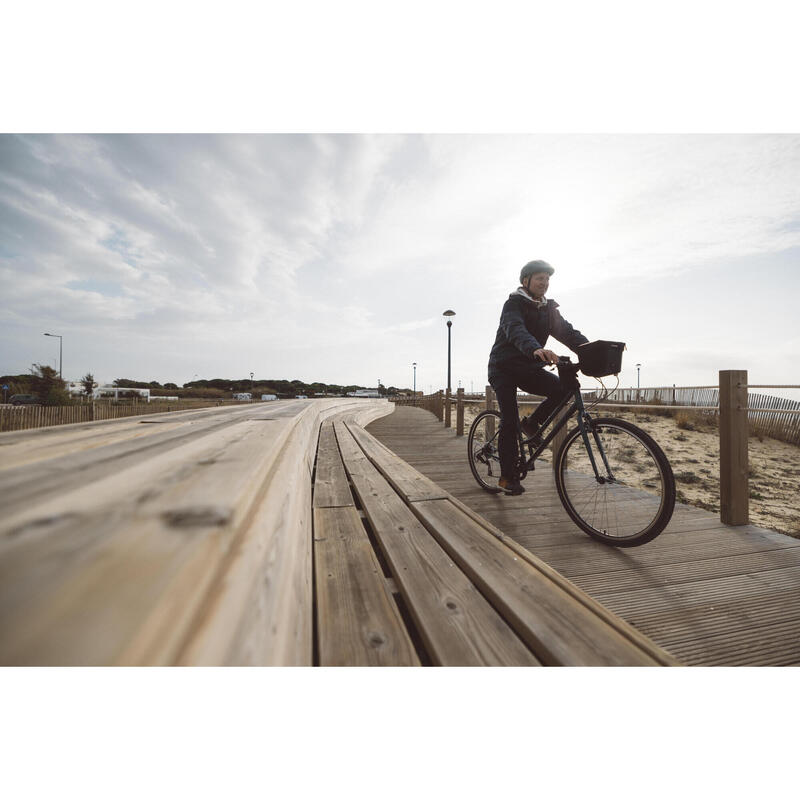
(539, 381)
(505, 388)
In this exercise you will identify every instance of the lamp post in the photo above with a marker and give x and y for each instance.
(448, 313)
(637, 382)
(251, 384)
(60, 342)
(415, 378)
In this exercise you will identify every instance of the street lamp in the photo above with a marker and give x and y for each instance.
(60, 342)
(415, 378)
(251, 384)
(637, 383)
(448, 313)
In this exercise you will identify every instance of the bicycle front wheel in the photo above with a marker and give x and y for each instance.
(482, 450)
(631, 498)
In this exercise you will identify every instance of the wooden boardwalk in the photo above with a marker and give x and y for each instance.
(709, 594)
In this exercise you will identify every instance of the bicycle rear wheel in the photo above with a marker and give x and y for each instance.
(633, 499)
(482, 451)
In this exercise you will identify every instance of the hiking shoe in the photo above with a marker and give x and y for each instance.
(510, 486)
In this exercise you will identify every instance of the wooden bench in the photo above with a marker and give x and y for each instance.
(406, 574)
(184, 542)
(197, 540)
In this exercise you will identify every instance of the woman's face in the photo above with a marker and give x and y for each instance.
(538, 283)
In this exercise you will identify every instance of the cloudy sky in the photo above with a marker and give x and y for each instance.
(332, 258)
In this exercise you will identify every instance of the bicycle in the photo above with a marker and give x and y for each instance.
(612, 478)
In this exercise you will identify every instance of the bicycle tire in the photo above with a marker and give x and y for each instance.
(638, 465)
(477, 442)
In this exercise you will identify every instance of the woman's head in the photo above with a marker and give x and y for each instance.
(535, 277)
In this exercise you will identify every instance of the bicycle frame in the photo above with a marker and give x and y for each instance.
(577, 408)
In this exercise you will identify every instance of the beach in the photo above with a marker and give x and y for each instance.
(691, 443)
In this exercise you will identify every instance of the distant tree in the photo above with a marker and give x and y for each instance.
(88, 383)
(127, 383)
(48, 388)
(170, 385)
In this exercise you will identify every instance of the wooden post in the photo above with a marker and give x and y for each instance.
(558, 439)
(439, 405)
(447, 412)
(489, 406)
(734, 493)
(460, 411)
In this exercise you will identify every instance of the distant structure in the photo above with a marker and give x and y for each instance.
(364, 393)
(115, 391)
(269, 397)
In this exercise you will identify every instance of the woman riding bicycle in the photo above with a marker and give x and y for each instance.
(517, 361)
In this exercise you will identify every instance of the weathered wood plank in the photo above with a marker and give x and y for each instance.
(404, 478)
(386, 461)
(457, 624)
(558, 628)
(331, 488)
(358, 622)
(694, 542)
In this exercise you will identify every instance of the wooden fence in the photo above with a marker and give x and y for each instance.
(16, 418)
(739, 412)
(777, 417)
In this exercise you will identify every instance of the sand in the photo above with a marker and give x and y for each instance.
(691, 442)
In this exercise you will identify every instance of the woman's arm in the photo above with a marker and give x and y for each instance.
(512, 323)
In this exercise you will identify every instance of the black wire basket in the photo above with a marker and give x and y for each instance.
(600, 358)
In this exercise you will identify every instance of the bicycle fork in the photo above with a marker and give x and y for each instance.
(583, 420)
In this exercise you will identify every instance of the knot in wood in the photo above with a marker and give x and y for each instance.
(197, 516)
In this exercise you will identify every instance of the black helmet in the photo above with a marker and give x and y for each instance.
(532, 267)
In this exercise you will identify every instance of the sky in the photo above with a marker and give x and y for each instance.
(332, 257)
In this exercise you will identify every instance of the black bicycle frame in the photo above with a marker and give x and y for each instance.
(577, 408)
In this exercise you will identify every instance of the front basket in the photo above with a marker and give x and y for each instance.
(600, 358)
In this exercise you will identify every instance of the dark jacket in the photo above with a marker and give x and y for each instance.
(524, 328)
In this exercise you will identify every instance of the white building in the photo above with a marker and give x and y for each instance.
(126, 392)
(364, 393)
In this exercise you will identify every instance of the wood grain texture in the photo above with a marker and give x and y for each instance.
(556, 626)
(358, 622)
(406, 480)
(459, 627)
(330, 483)
(127, 548)
(691, 619)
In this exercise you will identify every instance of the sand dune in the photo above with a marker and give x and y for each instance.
(691, 442)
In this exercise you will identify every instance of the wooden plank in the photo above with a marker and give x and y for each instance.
(132, 555)
(331, 488)
(559, 630)
(260, 610)
(458, 626)
(358, 622)
(406, 480)
(387, 463)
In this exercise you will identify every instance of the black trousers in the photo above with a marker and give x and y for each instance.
(534, 380)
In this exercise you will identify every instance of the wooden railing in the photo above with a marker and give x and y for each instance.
(729, 400)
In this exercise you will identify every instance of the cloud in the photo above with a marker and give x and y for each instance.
(333, 256)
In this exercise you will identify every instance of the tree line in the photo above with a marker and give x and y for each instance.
(47, 387)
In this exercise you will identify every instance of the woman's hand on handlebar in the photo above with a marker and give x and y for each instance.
(548, 356)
